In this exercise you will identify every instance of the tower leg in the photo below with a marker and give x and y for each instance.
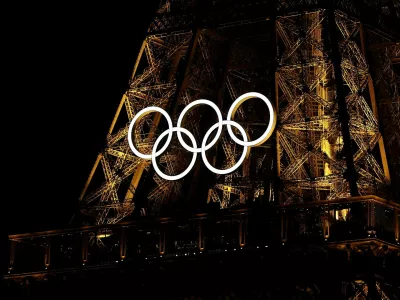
(344, 118)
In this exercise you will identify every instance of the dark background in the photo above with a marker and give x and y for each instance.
(67, 67)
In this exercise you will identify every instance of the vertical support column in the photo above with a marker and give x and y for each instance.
(371, 217)
(242, 229)
(122, 244)
(85, 244)
(47, 248)
(326, 227)
(162, 241)
(396, 226)
(201, 235)
(344, 118)
(284, 226)
(12, 256)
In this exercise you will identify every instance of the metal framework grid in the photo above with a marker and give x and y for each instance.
(333, 80)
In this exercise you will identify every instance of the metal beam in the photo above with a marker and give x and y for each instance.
(375, 107)
(344, 118)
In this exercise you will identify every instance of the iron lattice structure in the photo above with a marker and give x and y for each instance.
(311, 142)
(327, 65)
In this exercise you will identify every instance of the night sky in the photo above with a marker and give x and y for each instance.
(67, 68)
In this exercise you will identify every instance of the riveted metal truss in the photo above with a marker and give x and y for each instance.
(384, 53)
(369, 158)
(156, 85)
(310, 158)
(151, 85)
(283, 52)
(248, 68)
(358, 290)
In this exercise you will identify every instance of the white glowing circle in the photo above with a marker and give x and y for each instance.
(180, 119)
(271, 125)
(238, 163)
(154, 155)
(137, 118)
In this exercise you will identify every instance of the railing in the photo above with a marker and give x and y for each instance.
(205, 234)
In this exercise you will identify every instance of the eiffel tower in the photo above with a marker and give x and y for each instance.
(175, 66)
(312, 64)
(330, 172)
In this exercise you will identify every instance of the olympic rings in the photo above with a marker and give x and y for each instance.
(229, 122)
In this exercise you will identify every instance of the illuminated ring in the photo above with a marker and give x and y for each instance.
(180, 119)
(154, 155)
(137, 118)
(240, 161)
(271, 125)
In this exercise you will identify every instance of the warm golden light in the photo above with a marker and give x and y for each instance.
(340, 214)
(103, 235)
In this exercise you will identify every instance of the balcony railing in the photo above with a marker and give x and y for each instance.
(350, 219)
